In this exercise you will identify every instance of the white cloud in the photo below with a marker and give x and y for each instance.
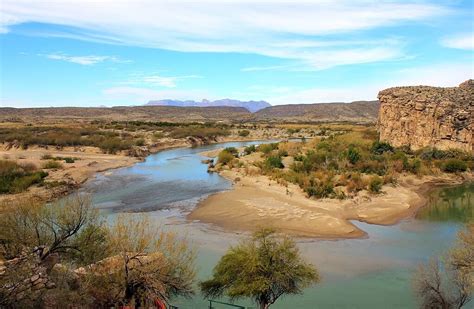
(157, 80)
(295, 30)
(83, 60)
(459, 41)
(452, 75)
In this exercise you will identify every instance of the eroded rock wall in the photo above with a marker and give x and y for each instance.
(423, 116)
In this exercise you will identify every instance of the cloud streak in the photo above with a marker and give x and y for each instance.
(459, 41)
(298, 30)
(153, 80)
(83, 60)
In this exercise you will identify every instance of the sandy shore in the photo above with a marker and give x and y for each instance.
(91, 160)
(257, 201)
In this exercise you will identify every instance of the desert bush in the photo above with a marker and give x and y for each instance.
(232, 150)
(198, 131)
(46, 157)
(353, 155)
(244, 133)
(320, 189)
(381, 147)
(282, 153)
(355, 183)
(372, 167)
(437, 154)
(140, 142)
(15, 178)
(454, 166)
(52, 164)
(249, 149)
(267, 148)
(69, 160)
(375, 184)
(224, 157)
(273, 162)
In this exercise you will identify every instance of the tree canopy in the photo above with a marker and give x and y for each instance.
(263, 267)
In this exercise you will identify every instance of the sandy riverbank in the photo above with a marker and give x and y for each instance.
(257, 201)
(90, 161)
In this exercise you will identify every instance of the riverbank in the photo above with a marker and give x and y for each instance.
(258, 201)
(88, 162)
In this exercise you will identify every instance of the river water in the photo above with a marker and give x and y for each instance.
(375, 272)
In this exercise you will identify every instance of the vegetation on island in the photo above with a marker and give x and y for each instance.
(344, 162)
(110, 137)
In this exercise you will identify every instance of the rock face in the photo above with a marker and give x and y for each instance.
(425, 116)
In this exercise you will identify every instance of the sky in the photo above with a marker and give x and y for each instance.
(117, 52)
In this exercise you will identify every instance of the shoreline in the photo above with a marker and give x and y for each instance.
(91, 162)
(258, 201)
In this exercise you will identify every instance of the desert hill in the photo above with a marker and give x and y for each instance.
(359, 111)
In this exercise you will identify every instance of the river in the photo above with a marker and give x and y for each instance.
(375, 272)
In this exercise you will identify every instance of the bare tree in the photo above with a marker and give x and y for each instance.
(150, 265)
(449, 283)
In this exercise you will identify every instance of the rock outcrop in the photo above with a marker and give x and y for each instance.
(425, 116)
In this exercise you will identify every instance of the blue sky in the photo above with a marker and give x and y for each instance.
(101, 52)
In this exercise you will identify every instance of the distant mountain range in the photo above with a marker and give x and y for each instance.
(359, 111)
(251, 106)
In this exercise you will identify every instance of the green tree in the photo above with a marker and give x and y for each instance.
(353, 155)
(263, 267)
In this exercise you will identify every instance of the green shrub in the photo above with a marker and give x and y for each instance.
(381, 147)
(15, 178)
(454, 166)
(320, 189)
(232, 150)
(274, 162)
(244, 133)
(437, 154)
(249, 149)
(282, 153)
(375, 184)
(299, 157)
(69, 160)
(353, 155)
(225, 157)
(46, 157)
(267, 148)
(413, 166)
(372, 167)
(113, 145)
(140, 142)
(51, 164)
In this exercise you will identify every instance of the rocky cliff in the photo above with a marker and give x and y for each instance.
(425, 116)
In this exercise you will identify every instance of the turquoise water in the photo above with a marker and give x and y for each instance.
(363, 273)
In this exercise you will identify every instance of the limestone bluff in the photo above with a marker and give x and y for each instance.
(423, 116)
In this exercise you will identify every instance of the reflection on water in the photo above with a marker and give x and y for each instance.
(450, 204)
(357, 273)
